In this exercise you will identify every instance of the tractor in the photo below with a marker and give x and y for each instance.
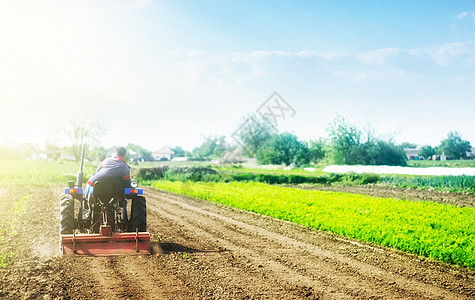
(105, 223)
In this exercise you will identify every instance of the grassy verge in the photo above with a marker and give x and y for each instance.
(461, 183)
(11, 218)
(444, 163)
(225, 175)
(40, 173)
(5, 257)
(441, 232)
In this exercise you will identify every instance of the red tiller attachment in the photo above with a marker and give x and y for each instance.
(106, 244)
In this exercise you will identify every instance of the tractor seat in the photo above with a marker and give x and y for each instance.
(104, 190)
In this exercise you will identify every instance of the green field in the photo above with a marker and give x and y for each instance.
(25, 174)
(441, 232)
(461, 183)
(41, 173)
(445, 163)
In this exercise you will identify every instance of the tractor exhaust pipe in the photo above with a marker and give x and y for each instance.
(80, 173)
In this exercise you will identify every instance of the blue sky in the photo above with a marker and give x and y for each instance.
(171, 72)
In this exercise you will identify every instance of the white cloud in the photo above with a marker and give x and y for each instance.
(330, 55)
(378, 57)
(381, 65)
(446, 54)
(365, 75)
(241, 68)
(462, 15)
(466, 14)
(355, 76)
(306, 53)
(198, 66)
(333, 55)
(276, 53)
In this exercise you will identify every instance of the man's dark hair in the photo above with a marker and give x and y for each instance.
(121, 151)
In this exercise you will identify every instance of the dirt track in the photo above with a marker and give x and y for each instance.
(207, 251)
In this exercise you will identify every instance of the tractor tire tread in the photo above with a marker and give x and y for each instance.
(67, 223)
(139, 214)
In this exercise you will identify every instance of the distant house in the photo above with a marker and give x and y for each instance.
(163, 154)
(413, 153)
(471, 154)
(111, 152)
(232, 157)
(132, 155)
(24, 147)
(53, 154)
(31, 150)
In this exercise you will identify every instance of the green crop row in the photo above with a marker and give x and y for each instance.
(441, 232)
(451, 183)
(442, 163)
(224, 175)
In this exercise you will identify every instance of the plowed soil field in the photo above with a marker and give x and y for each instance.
(208, 251)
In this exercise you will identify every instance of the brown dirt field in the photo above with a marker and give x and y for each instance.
(209, 251)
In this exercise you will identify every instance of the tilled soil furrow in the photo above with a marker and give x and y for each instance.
(103, 278)
(261, 254)
(409, 266)
(262, 264)
(319, 275)
(355, 278)
(216, 273)
(141, 272)
(211, 251)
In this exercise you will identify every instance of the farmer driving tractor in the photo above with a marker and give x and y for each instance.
(106, 229)
(113, 169)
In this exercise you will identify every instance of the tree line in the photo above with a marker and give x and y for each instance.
(345, 144)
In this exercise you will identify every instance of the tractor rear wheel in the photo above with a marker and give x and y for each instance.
(139, 214)
(67, 214)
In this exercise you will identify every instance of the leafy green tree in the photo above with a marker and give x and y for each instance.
(51, 144)
(285, 149)
(408, 145)
(454, 146)
(345, 141)
(97, 154)
(179, 152)
(142, 152)
(316, 150)
(345, 147)
(253, 132)
(381, 152)
(427, 151)
(212, 147)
